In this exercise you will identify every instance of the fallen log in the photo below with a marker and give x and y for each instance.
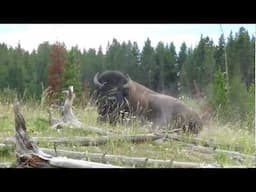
(131, 161)
(198, 141)
(5, 165)
(88, 141)
(234, 155)
(29, 155)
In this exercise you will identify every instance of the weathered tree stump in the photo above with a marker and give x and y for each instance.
(67, 115)
(68, 118)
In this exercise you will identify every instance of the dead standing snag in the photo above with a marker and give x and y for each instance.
(67, 115)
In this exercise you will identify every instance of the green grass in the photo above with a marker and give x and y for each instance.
(229, 136)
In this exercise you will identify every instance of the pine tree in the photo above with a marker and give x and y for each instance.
(219, 98)
(220, 54)
(188, 72)
(71, 75)
(41, 64)
(181, 60)
(148, 64)
(245, 54)
(159, 74)
(170, 70)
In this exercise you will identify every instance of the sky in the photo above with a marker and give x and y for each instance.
(87, 36)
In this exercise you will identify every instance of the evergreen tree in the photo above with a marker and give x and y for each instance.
(113, 55)
(41, 64)
(4, 65)
(148, 64)
(159, 73)
(71, 75)
(239, 98)
(204, 63)
(232, 57)
(182, 58)
(188, 73)
(220, 54)
(245, 55)
(170, 70)
(16, 70)
(219, 98)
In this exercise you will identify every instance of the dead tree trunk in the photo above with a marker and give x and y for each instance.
(67, 116)
(69, 119)
(29, 155)
(87, 141)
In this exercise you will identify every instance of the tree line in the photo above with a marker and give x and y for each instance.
(200, 71)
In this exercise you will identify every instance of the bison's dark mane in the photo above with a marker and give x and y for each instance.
(111, 98)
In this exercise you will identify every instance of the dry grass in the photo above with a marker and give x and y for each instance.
(229, 136)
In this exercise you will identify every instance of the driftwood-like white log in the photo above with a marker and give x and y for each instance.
(131, 161)
(29, 155)
(5, 165)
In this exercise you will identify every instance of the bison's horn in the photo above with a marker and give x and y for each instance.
(96, 81)
(128, 81)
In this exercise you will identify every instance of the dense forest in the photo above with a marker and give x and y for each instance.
(221, 72)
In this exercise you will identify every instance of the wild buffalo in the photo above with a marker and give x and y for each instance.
(117, 93)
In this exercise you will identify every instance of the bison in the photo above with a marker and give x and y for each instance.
(116, 94)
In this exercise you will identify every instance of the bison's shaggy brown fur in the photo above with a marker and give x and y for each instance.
(117, 91)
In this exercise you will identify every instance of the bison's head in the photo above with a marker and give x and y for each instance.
(111, 93)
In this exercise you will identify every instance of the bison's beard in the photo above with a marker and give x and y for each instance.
(112, 105)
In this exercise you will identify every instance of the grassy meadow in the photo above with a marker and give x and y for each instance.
(229, 136)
